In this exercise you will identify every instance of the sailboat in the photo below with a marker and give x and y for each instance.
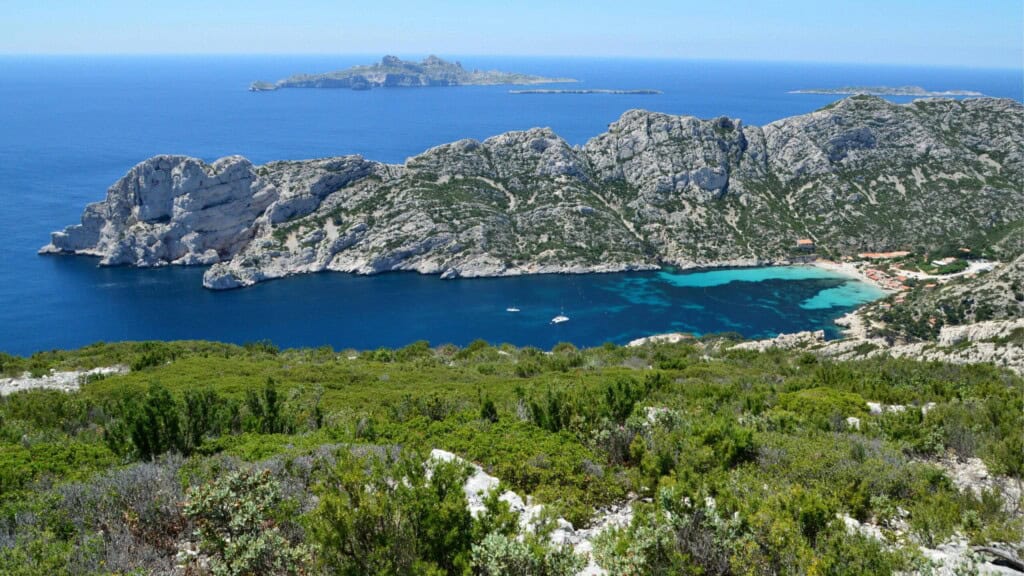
(560, 318)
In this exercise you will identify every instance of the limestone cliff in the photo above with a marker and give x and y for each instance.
(860, 174)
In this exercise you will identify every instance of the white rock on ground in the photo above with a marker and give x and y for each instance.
(785, 341)
(670, 338)
(65, 381)
(481, 483)
(954, 556)
(972, 474)
(950, 558)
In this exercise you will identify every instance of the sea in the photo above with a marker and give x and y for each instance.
(71, 126)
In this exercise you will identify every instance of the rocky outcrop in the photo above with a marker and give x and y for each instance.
(800, 340)
(998, 342)
(393, 72)
(670, 338)
(66, 381)
(171, 210)
(530, 515)
(655, 189)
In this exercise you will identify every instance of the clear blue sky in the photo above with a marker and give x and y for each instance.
(983, 33)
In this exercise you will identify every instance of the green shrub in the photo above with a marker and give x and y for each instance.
(155, 426)
(382, 516)
(235, 530)
(823, 404)
(500, 555)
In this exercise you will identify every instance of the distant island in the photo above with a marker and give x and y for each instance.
(586, 91)
(886, 91)
(393, 72)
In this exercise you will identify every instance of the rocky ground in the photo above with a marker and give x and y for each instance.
(64, 381)
(950, 558)
(860, 174)
(983, 342)
(581, 540)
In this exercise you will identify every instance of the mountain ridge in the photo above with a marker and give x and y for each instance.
(655, 189)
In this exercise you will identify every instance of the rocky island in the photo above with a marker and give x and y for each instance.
(860, 174)
(916, 91)
(393, 72)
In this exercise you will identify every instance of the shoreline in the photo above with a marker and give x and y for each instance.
(852, 270)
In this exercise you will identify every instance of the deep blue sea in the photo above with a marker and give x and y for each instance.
(71, 126)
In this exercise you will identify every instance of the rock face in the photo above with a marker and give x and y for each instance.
(393, 72)
(171, 210)
(860, 174)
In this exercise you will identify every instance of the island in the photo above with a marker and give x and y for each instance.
(587, 91)
(860, 175)
(393, 72)
(889, 91)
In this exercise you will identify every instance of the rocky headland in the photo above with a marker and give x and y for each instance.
(393, 72)
(915, 91)
(655, 189)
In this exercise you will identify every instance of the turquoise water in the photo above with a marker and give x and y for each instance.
(848, 294)
(72, 126)
(719, 277)
(345, 311)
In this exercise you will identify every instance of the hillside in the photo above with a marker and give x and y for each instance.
(198, 458)
(862, 174)
(393, 72)
(996, 295)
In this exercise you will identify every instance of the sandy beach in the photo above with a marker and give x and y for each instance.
(852, 269)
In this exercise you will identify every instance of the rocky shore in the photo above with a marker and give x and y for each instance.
(977, 343)
(653, 190)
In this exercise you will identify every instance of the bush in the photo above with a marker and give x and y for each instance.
(499, 555)
(822, 405)
(265, 410)
(155, 428)
(235, 530)
(378, 516)
(488, 411)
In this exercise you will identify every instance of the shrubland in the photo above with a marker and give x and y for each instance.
(211, 458)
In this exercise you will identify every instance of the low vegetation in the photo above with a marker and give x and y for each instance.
(218, 459)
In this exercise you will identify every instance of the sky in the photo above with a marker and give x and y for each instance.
(972, 33)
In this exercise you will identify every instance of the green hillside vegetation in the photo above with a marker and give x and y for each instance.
(252, 460)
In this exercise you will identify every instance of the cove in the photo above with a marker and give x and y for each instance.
(394, 309)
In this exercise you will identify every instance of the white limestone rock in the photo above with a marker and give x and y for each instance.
(654, 189)
(796, 340)
(65, 381)
(480, 484)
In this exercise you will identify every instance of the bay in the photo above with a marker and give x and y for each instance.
(70, 126)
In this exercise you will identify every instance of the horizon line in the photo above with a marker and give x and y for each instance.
(891, 64)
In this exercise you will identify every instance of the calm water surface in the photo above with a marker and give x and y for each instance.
(69, 127)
